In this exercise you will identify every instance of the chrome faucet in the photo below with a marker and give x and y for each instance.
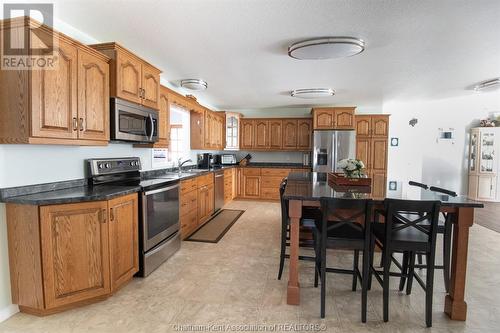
(182, 163)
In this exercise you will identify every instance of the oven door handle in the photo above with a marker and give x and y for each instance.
(152, 123)
(163, 189)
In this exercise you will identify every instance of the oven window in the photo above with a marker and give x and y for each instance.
(132, 123)
(162, 212)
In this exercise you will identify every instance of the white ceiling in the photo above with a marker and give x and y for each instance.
(415, 49)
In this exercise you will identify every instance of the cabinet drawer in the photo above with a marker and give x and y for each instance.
(189, 202)
(270, 193)
(251, 171)
(275, 172)
(205, 179)
(188, 185)
(271, 182)
(189, 222)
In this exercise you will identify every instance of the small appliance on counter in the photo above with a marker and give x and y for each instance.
(216, 161)
(228, 159)
(205, 161)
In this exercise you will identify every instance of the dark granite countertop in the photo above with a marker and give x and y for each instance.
(73, 194)
(314, 186)
(77, 191)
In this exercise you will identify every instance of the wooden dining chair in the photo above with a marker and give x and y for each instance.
(345, 226)
(307, 223)
(402, 232)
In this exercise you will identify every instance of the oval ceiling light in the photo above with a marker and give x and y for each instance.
(488, 85)
(312, 93)
(194, 84)
(326, 48)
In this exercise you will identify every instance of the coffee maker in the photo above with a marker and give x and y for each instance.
(204, 161)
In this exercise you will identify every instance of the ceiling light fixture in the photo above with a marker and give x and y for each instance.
(488, 85)
(326, 48)
(194, 84)
(312, 93)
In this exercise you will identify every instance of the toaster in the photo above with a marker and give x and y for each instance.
(228, 159)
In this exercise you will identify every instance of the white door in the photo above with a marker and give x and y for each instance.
(486, 188)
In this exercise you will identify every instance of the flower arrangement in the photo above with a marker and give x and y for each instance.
(352, 167)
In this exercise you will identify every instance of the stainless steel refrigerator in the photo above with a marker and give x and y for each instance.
(332, 146)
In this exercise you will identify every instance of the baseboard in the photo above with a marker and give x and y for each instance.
(8, 312)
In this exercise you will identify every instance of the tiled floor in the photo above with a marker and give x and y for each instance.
(234, 282)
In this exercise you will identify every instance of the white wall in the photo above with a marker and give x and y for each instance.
(419, 156)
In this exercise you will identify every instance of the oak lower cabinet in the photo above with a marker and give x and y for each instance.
(67, 255)
(188, 210)
(64, 104)
(123, 239)
(229, 185)
(251, 183)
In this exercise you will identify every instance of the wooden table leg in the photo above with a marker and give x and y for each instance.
(293, 291)
(455, 306)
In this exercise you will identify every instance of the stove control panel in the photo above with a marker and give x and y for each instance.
(99, 167)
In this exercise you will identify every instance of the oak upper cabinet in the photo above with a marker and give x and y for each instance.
(304, 134)
(363, 126)
(75, 252)
(323, 118)
(261, 139)
(163, 119)
(333, 118)
(132, 78)
(290, 134)
(93, 99)
(246, 133)
(67, 103)
(372, 126)
(275, 134)
(123, 239)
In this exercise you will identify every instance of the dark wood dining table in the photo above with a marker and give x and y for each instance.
(306, 189)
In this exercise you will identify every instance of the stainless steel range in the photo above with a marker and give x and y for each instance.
(159, 207)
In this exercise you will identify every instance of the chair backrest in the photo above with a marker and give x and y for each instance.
(418, 215)
(443, 190)
(412, 183)
(284, 205)
(346, 212)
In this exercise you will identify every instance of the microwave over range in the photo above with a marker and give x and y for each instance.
(133, 122)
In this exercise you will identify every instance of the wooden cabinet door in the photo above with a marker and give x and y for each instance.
(363, 126)
(275, 137)
(163, 121)
(93, 97)
(261, 139)
(344, 118)
(54, 95)
(363, 148)
(380, 126)
(150, 86)
(304, 134)
(486, 187)
(202, 203)
(290, 134)
(210, 199)
(207, 141)
(378, 184)
(378, 154)
(323, 118)
(123, 239)
(247, 134)
(128, 77)
(251, 186)
(75, 252)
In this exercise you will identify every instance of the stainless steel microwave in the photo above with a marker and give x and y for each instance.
(133, 122)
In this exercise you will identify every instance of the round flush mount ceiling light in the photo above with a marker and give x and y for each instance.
(488, 85)
(194, 84)
(312, 93)
(326, 48)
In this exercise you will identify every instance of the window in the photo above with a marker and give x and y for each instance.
(179, 134)
(232, 124)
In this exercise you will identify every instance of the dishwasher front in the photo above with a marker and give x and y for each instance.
(219, 190)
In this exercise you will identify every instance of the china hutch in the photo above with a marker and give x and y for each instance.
(483, 163)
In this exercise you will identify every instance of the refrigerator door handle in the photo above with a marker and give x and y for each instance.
(335, 151)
